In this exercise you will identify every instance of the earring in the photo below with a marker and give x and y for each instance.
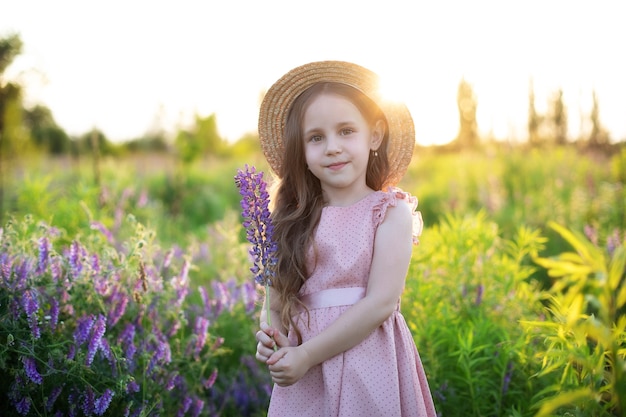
(375, 153)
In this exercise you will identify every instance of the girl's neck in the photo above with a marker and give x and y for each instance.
(343, 199)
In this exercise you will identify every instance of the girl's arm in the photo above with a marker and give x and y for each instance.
(393, 246)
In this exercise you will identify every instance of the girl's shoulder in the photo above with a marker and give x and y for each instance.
(392, 197)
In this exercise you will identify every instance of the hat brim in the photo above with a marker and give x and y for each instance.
(280, 97)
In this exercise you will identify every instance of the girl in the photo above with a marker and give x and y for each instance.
(340, 346)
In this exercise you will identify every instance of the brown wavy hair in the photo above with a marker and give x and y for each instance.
(298, 201)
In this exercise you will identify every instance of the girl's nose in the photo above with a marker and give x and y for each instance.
(333, 145)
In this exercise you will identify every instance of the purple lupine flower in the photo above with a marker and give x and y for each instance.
(249, 296)
(24, 270)
(75, 256)
(44, 254)
(206, 301)
(30, 304)
(102, 229)
(6, 266)
(198, 406)
(71, 352)
(127, 339)
(53, 314)
(208, 383)
(201, 330)
(120, 302)
(182, 283)
(591, 233)
(95, 263)
(167, 260)
(132, 387)
(23, 406)
(184, 407)
(30, 367)
(94, 343)
(507, 378)
(88, 403)
(56, 268)
(612, 242)
(83, 328)
(257, 222)
(54, 394)
(479, 294)
(102, 403)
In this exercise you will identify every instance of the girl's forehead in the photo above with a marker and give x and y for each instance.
(330, 106)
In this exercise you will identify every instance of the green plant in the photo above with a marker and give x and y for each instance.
(583, 341)
(466, 291)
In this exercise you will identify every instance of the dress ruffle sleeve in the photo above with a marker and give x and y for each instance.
(390, 198)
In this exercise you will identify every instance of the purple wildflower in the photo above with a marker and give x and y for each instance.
(612, 242)
(23, 271)
(31, 308)
(591, 233)
(184, 407)
(31, 370)
(71, 352)
(132, 387)
(201, 330)
(44, 254)
(54, 394)
(208, 383)
(23, 406)
(181, 284)
(198, 405)
(94, 344)
(206, 301)
(127, 339)
(83, 328)
(257, 222)
(88, 403)
(53, 314)
(479, 294)
(102, 403)
(507, 378)
(119, 303)
(102, 229)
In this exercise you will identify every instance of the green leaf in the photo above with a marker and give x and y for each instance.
(565, 399)
(616, 267)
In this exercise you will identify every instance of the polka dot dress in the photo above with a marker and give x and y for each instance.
(383, 375)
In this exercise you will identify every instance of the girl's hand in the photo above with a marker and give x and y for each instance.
(268, 338)
(288, 365)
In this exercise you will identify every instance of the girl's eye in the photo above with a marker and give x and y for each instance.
(346, 131)
(315, 138)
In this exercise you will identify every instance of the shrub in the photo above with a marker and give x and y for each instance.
(113, 327)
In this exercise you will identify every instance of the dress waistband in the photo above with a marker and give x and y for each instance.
(333, 297)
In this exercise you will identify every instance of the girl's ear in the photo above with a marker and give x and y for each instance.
(378, 133)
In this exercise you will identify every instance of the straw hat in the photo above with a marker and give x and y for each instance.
(281, 95)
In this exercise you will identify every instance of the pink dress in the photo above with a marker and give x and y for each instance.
(383, 375)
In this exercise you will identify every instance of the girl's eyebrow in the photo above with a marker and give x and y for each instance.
(337, 126)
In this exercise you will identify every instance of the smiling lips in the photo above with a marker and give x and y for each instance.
(336, 166)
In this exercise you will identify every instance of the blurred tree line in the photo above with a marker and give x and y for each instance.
(24, 130)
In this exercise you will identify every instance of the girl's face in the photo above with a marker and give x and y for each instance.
(337, 145)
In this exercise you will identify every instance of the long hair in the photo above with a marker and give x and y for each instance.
(298, 199)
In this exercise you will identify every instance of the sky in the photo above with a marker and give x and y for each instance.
(131, 67)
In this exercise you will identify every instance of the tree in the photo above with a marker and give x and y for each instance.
(468, 127)
(558, 118)
(10, 107)
(45, 132)
(534, 119)
(599, 136)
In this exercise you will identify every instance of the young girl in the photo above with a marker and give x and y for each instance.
(339, 345)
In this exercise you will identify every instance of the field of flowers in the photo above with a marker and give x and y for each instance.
(132, 296)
